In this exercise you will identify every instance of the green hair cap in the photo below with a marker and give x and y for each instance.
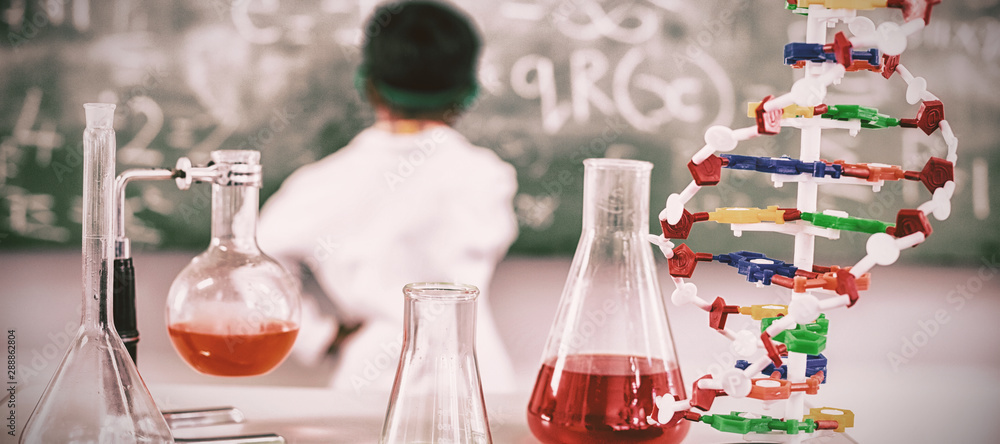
(462, 95)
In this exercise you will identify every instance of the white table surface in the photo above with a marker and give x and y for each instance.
(947, 391)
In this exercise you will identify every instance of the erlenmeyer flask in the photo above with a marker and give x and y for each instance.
(610, 351)
(96, 394)
(437, 397)
(234, 311)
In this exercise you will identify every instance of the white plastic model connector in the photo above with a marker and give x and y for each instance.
(673, 210)
(717, 138)
(783, 323)
(735, 383)
(687, 293)
(745, 343)
(861, 27)
(882, 248)
(950, 140)
(808, 91)
(666, 247)
(940, 203)
(668, 407)
(891, 38)
(804, 308)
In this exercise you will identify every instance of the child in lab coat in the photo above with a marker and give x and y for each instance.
(409, 199)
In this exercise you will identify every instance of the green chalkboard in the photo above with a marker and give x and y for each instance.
(562, 80)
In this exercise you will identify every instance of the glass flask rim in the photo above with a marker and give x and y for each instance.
(251, 157)
(99, 115)
(440, 291)
(618, 164)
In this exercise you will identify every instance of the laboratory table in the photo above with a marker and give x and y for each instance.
(917, 359)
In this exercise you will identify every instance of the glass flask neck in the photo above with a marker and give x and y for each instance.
(616, 195)
(234, 217)
(235, 199)
(98, 195)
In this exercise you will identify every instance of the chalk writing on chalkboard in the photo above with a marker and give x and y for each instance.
(562, 80)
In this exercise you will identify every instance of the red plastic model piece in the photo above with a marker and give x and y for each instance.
(682, 228)
(847, 284)
(914, 9)
(811, 386)
(684, 261)
(768, 122)
(702, 398)
(790, 214)
(871, 173)
(773, 352)
(936, 173)
(708, 172)
(841, 49)
(719, 312)
(823, 424)
(889, 65)
(909, 221)
(695, 416)
(928, 118)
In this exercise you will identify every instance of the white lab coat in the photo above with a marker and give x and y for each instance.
(386, 210)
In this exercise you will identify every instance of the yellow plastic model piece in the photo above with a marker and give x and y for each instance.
(845, 4)
(739, 215)
(758, 312)
(790, 111)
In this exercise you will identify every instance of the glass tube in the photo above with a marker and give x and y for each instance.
(437, 396)
(96, 394)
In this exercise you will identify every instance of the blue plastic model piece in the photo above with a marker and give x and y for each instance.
(755, 266)
(782, 165)
(814, 363)
(813, 52)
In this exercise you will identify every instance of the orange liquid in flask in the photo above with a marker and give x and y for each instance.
(216, 350)
(605, 399)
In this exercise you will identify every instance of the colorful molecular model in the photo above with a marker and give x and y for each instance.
(789, 363)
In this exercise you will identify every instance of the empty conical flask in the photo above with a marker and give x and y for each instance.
(234, 311)
(610, 351)
(96, 394)
(437, 397)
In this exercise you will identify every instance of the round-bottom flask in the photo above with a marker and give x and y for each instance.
(233, 311)
(610, 351)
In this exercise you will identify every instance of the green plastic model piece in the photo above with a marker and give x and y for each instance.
(735, 423)
(869, 117)
(869, 226)
(820, 326)
(808, 338)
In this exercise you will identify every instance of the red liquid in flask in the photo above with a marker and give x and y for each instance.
(222, 351)
(603, 399)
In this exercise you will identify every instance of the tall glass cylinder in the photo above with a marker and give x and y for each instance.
(234, 311)
(610, 350)
(437, 396)
(96, 394)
